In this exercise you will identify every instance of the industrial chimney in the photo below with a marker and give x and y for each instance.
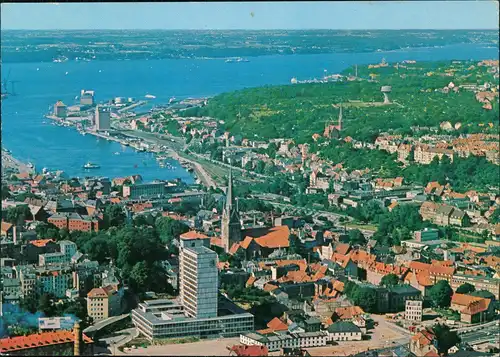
(78, 339)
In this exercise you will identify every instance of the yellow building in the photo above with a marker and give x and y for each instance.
(103, 302)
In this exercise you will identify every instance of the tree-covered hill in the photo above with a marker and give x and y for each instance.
(298, 111)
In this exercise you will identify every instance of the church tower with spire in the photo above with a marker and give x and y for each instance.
(230, 224)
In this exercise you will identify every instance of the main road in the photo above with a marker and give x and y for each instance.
(482, 334)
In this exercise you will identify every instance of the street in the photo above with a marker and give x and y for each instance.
(481, 334)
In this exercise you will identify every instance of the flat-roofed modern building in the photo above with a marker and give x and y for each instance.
(168, 319)
(144, 190)
(201, 311)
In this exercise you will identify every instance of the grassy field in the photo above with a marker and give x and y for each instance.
(368, 227)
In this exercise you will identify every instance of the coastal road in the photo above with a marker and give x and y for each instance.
(10, 162)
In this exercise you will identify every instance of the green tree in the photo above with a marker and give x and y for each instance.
(466, 288)
(140, 220)
(389, 280)
(495, 216)
(18, 214)
(271, 150)
(441, 294)
(446, 338)
(259, 167)
(356, 237)
(139, 276)
(269, 169)
(249, 166)
(169, 229)
(46, 304)
(5, 192)
(97, 248)
(114, 216)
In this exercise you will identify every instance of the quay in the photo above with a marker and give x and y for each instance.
(132, 106)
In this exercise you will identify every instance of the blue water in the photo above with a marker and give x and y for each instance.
(45, 145)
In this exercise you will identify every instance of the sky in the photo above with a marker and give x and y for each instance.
(253, 15)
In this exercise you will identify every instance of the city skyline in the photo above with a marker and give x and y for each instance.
(418, 15)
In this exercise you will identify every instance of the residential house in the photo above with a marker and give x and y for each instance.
(424, 343)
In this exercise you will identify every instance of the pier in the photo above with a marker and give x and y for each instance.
(132, 106)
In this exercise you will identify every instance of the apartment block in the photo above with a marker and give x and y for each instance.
(413, 310)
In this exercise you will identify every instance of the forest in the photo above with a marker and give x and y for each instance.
(301, 110)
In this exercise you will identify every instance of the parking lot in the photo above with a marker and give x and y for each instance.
(216, 347)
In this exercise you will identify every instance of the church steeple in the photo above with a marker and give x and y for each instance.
(229, 193)
(230, 223)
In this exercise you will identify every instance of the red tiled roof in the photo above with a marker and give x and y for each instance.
(416, 266)
(441, 270)
(349, 312)
(216, 241)
(251, 280)
(277, 325)
(423, 278)
(424, 337)
(100, 292)
(246, 242)
(342, 248)
(43, 339)
(269, 287)
(193, 235)
(277, 237)
(234, 248)
(41, 242)
(249, 351)
(6, 226)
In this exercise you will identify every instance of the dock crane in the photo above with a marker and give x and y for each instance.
(5, 86)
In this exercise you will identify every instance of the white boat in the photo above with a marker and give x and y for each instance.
(90, 165)
(30, 165)
(149, 96)
(117, 153)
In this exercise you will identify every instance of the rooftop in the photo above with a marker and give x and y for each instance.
(43, 339)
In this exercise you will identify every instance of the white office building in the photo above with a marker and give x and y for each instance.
(198, 277)
(201, 312)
